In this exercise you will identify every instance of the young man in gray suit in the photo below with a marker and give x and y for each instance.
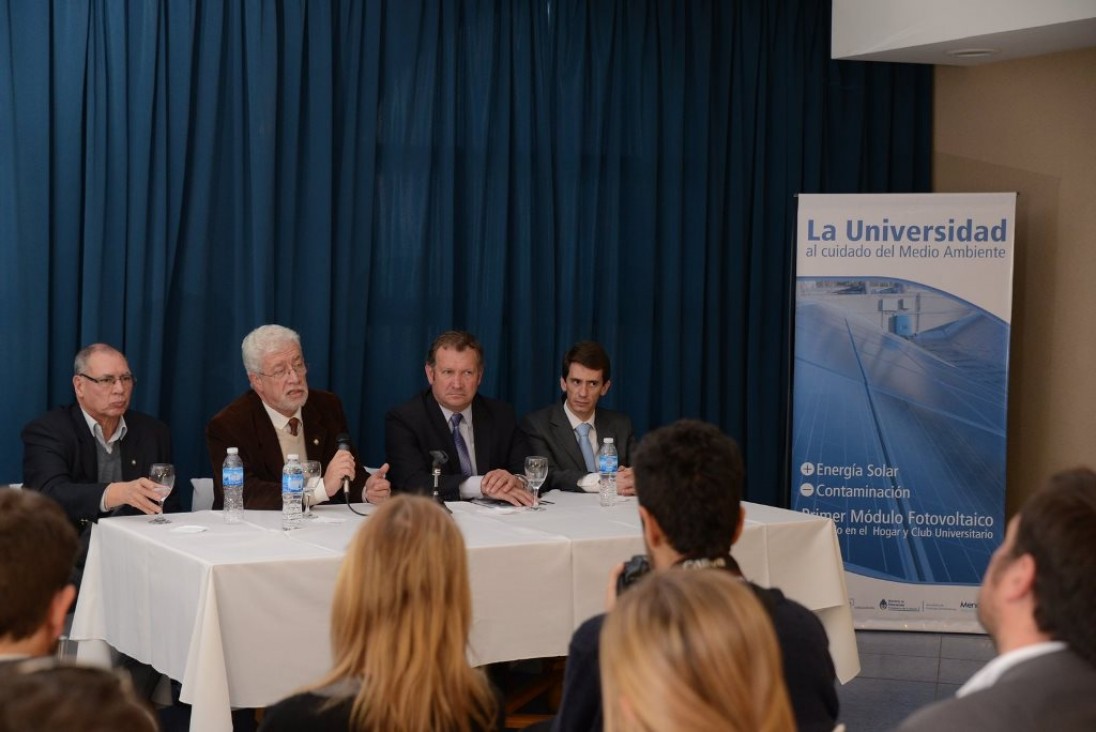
(1037, 601)
(569, 433)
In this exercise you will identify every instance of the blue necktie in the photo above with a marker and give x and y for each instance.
(583, 431)
(462, 446)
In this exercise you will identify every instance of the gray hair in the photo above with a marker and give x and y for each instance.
(80, 363)
(263, 340)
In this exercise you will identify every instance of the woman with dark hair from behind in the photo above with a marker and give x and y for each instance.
(692, 651)
(42, 694)
(400, 621)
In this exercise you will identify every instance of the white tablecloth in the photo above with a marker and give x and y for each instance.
(239, 613)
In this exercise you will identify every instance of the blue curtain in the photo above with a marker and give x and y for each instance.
(370, 173)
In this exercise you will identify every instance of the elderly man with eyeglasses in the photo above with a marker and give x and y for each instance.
(93, 457)
(280, 415)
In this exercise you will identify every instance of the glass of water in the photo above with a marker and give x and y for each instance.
(313, 476)
(536, 471)
(163, 475)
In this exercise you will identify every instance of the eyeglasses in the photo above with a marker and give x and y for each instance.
(126, 379)
(300, 368)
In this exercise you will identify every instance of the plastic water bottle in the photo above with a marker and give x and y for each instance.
(232, 481)
(607, 470)
(292, 493)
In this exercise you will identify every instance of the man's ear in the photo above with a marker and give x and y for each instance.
(1018, 579)
(653, 535)
(58, 609)
(741, 525)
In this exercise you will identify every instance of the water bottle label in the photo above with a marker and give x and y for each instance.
(292, 482)
(607, 463)
(232, 476)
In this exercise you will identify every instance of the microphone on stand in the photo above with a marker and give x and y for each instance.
(440, 458)
(344, 444)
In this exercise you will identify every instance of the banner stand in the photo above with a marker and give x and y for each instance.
(899, 395)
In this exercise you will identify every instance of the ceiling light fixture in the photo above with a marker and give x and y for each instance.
(968, 53)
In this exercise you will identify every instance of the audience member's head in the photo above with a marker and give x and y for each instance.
(37, 550)
(689, 485)
(1041, 581)
(400, 620)
(43, 696)
(692, 651)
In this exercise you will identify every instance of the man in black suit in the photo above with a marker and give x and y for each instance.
(569, 433)
(690, 520)
(485, 451)
(1037, 601)
(92, 457)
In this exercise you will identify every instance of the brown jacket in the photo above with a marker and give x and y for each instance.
(244, 424)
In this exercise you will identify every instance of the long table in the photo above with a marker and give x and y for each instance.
(240, 613)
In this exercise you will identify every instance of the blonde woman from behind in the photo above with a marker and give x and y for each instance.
(691, 651)
(399, 634)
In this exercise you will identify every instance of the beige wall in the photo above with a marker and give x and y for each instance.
(1030, 126)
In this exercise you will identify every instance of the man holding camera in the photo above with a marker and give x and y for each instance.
(691, 517)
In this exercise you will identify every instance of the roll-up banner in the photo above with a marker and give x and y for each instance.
(902, 318)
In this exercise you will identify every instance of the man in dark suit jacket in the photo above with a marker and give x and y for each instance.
(484, 449)
(92, 457)
(280, 416)
(690, 520)
(570, 433)
(1037, 601)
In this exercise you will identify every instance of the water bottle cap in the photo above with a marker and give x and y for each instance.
(233, 451)
(609, 440)
(292, 456)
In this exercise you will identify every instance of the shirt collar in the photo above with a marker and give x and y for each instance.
(97, 431)
(574, 419)
(988, 675)
(448, 414)
(278, 419)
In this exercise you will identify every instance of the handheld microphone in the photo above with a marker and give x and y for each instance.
(344, 444)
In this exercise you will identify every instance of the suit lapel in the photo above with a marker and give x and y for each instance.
(269, 447)
(605, 428)
(565, 437)
(442, 434)
(482, 429)
(89, 462)
(132, 455)
(315, 431)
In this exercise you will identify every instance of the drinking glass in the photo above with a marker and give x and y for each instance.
(312, 477)
(536, 471)
(163, 475)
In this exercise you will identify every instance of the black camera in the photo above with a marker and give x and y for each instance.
(634, 569)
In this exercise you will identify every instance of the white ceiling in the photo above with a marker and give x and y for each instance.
(939, 31)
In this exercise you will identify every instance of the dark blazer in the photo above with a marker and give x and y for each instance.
(60, 460)
(319, 711)
(549, 433)
(418, 426)
(1056, 691)
(244, 424)
(804, 649)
